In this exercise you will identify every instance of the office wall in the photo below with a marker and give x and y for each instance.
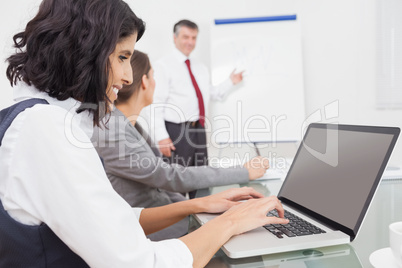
(338, 46)
(14, 16)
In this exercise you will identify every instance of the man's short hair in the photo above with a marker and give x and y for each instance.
(185, 23)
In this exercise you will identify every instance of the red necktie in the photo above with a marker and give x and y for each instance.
(199, 95)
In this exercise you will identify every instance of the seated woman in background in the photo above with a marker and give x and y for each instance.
(134, 164)
(58, 208)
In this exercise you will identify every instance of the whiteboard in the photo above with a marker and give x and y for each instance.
(268, 105)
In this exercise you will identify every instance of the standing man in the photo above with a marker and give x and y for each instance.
(183, 86)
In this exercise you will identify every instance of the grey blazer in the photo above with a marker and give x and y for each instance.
(137, 172)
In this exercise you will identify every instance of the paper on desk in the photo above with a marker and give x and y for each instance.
(274, 174)
(278, 171)
(278, 167)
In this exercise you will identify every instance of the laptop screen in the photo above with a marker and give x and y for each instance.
(337, 169)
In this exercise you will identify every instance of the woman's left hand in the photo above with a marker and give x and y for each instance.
(221, 202)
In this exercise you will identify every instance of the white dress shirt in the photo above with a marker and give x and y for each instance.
(175, 99)
(51, 173)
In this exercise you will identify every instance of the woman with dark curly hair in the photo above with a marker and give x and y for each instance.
(134, 164)
(57, 207)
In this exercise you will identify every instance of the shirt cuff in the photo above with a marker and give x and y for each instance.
(160, 134)
(175, 254)
(223, 89)
(137, 212)
(227, 84)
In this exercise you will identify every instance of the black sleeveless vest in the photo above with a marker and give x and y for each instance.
(24, 245)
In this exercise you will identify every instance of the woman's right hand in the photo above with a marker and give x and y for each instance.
(253, 213)
(256, 167)
(205, 241)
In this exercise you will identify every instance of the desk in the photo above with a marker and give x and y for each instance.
(385, 208)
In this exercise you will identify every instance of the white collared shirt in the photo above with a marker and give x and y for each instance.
(51, 173)
(175, 99)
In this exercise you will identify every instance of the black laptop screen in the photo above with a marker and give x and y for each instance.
(337, 169)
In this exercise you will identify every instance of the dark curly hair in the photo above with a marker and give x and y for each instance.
(64, 50)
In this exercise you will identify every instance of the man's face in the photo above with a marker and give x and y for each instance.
(185, 40)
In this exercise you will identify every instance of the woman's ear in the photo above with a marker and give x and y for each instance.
(144, 82)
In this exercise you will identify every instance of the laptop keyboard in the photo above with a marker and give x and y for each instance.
(296, 226)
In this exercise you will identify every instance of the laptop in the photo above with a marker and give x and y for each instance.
(330, 185)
